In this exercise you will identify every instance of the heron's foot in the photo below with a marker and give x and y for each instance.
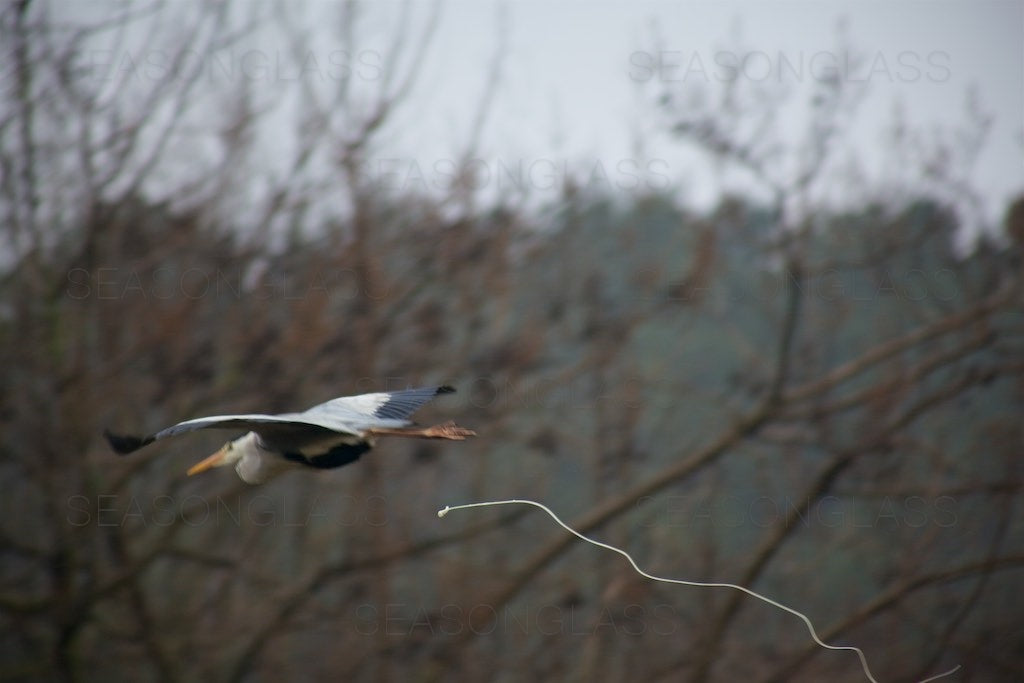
(448, 430)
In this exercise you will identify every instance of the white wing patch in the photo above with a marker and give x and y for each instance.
(364, 404)
(380, 409)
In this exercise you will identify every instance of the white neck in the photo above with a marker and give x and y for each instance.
(254, 463)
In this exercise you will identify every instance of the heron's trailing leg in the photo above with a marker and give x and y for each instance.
(445, 430)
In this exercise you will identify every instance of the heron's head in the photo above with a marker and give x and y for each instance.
(229, 454)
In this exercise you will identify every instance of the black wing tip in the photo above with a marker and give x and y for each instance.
(445, 389)
(126, 443)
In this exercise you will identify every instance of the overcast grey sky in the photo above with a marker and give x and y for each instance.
(577, 79)
(578, 83)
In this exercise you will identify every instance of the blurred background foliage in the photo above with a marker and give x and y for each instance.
(821, 404)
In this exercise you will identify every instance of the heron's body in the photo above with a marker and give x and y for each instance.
(256, 463)
(329, 435)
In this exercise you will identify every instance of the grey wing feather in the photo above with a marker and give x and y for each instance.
(402, 404)
(382, 409)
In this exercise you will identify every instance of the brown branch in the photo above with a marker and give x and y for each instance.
(971, 601)
(895, 346)
(983, 337)
(713, 638)
(892, 597)
(304, 591)
(601, 514)
(821, 486)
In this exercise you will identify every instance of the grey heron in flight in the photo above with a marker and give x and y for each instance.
(328, 435)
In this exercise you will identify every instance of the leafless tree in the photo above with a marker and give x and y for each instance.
(635, 365)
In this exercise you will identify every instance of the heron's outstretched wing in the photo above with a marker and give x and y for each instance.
(383, 409)
(349, 415)
(289, 430)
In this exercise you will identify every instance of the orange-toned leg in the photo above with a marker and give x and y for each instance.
(445, 430)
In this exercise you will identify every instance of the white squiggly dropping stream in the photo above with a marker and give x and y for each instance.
(700, 584)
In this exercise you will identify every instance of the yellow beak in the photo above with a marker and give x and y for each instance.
(212, 461)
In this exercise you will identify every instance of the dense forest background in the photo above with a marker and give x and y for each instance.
(818, 400)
